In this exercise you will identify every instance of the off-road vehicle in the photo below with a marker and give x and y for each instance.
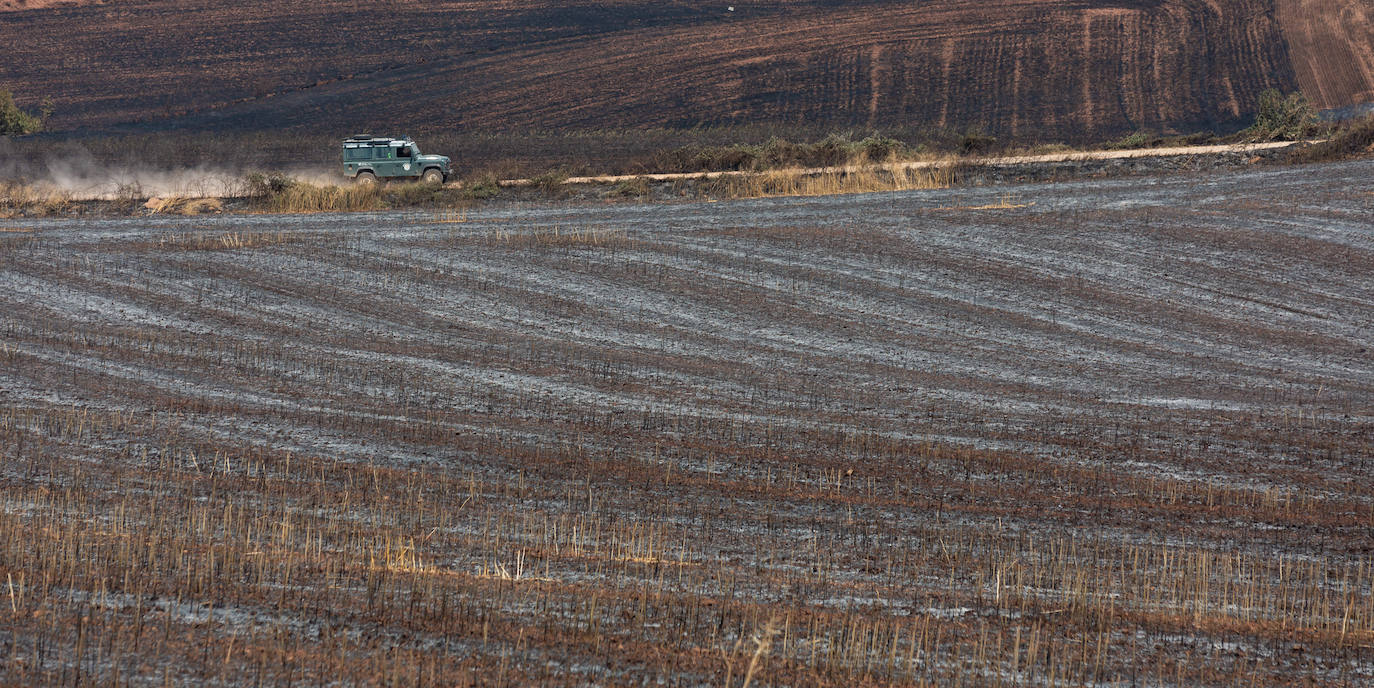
(368, 158)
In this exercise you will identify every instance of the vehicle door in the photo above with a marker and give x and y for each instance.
(384, 160)
(405, 158)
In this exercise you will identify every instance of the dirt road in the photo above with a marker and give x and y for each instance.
(1178, 151)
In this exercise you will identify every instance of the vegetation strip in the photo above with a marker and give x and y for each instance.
(930, 164)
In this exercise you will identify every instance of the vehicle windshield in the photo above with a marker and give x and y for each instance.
(415, 150)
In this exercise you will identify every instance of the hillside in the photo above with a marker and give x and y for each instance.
(1332, 43)
(1021, 67)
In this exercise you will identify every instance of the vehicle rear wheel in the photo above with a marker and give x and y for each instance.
(432, 176)
(365, 179)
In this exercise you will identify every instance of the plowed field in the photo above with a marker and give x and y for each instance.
(1095, 433)
(1332, 43)
(1021, 67)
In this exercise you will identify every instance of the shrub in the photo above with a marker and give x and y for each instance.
(128, 197)
(1282, 118)
(779, 152)
(481, 187)
(550, 182)
(1140, 139)
(975, 142)
(699, 158)
(880, 148)
(14, 121)
(1352, 140)
(260, 186)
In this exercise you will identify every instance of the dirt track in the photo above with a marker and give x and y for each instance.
(1178, 151)
(1105, 431)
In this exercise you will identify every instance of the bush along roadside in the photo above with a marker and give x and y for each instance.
(1352, 140)
(1282, 118)
(16, 122)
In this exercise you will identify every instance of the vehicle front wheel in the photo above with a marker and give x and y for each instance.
(365, 179)
(432, 176)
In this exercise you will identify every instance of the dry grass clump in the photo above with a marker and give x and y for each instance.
(638, 187)
(846, 180)
(284, 194)
(18, 198)
(481, 187)
(551, 183)
(174, 205)
(299, 197)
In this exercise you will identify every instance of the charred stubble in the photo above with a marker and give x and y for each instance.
(1119, 434)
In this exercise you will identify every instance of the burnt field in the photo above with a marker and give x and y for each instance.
(1090, 433)
(1031, 70)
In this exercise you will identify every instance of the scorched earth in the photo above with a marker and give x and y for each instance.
(1093, 433)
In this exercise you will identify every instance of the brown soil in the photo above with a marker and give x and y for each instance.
(1024, 67)
(1332, 43)
(20, 5)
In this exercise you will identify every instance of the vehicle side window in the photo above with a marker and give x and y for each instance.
(359, 154)
(383, 152)
(403, 152)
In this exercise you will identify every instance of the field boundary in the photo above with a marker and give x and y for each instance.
(1050, 158)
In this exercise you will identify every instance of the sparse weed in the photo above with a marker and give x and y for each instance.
(450, 215)
(225, 241)
(1007, 201)
(561, 238)
(638, 187)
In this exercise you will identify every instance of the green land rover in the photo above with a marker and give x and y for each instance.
(367, 158)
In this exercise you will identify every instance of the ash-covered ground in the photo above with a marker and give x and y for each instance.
(1093, 433)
